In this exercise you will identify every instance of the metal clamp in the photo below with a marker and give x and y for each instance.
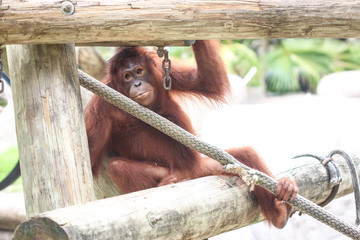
(333, 172)
(189, 42)
(354, 178)
(335, 177)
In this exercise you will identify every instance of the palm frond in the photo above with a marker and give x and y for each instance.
(239, 59)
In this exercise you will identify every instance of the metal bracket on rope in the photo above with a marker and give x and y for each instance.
(189, 42)
(333, 172)
(166, 66)
(193, 142)
(354, 178)
(335, 177)
(2, 86)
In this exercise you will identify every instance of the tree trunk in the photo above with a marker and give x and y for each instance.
(53, 149)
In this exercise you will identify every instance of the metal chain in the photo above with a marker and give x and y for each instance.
(166, 66)
(2, 86)
(193, 142)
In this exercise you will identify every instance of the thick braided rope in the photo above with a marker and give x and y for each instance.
(223, 157)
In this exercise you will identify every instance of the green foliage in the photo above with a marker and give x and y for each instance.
(306, 61)
(293, 60)
(290, 65)
(183, 53)
(8, 160)
(345, 55)
(239, 59)
(105, 52)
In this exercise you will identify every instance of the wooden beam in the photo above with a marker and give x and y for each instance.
(53, 148)
(194, 209)
(160, 43)
(33, 21)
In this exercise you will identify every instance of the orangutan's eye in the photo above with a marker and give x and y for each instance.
(127, 76)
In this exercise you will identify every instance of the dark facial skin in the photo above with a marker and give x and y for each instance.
(139, 85)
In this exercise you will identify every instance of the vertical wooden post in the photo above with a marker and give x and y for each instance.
(51, 133)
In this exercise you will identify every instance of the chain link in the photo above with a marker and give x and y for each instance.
(2, 86)
(166, 66)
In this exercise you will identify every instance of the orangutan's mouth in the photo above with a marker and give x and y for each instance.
(142, 94)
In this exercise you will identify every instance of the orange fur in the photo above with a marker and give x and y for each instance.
(146, 157)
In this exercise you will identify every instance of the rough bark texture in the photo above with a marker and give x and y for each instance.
(194, 209)
(34, 21)
(55, 162)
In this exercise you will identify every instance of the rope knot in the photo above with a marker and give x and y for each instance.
(249, 177)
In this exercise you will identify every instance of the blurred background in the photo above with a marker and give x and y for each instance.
(290, 97)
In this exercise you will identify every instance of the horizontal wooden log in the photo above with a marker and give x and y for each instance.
(160, 43)
(34, 21)
(194, 209)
